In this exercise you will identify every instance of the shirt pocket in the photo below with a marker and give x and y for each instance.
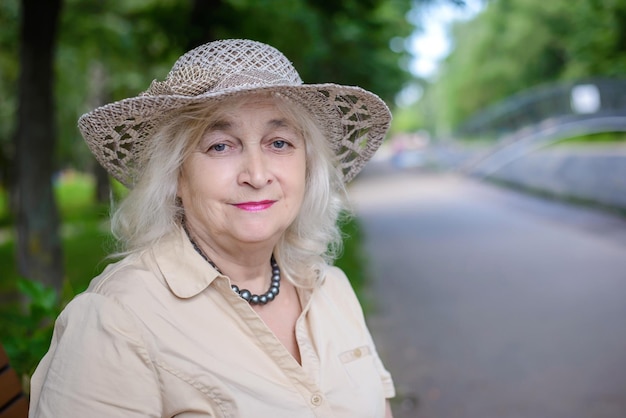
(352, 355)
(359, 366)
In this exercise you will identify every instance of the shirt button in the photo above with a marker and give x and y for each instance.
(316, 399)
(357, 353)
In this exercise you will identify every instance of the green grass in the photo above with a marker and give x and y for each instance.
(27, 309)
(353, 260)
(602, 138)
(84, 233)
(74, 192)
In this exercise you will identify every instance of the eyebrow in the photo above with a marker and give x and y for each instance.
(279, 123)
(220, 125)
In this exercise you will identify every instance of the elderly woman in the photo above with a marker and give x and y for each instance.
(225, 302)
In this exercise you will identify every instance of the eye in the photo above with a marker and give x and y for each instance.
(218, 147)
(279, 143)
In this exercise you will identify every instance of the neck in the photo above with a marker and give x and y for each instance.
(247, 265)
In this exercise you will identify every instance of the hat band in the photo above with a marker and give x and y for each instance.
(255, 78)
(193, 81)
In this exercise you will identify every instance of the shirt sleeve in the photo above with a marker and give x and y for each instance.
(97, 365)
(353, 303)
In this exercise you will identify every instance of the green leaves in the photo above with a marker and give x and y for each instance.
(42, 300)
(26, 332)
(514, 45)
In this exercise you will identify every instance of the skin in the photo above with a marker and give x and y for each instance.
(255, 160)
(388, 413)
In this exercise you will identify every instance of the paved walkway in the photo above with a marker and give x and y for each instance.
(492, 304)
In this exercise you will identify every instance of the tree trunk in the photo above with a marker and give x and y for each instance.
(39, 250)
(98, 96)
(205, 14)
(103, 184)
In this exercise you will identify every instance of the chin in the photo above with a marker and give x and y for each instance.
(252, 236)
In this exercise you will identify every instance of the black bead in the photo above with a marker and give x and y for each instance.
(245, 294)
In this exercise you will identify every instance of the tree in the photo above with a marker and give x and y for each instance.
(514, 45)
(38, 241)
(9, 21)
(510, 46)
(136, 41)
(597, 46)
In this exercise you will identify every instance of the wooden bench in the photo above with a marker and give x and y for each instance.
(13, 402)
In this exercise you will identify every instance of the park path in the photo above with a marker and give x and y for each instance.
(492, 304)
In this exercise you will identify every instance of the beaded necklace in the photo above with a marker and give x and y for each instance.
(245, 294)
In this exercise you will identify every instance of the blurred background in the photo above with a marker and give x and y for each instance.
(488, 246)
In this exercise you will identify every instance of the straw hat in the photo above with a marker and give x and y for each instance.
(352, 119)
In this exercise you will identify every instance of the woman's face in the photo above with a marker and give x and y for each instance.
(245, 181)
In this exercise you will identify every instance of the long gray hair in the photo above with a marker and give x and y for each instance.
(151, 209)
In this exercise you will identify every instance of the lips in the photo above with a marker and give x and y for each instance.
(255, 206)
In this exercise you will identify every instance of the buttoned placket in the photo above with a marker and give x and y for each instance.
(305, 377)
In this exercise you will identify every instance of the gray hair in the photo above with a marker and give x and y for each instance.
(151, 209)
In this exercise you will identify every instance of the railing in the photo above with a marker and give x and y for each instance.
(544, 115)
(550, 105)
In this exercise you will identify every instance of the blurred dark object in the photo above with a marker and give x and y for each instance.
(13, 401)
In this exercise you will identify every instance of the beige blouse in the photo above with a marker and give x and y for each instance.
(163, 335)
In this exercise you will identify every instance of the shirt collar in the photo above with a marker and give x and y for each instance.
(187, 274)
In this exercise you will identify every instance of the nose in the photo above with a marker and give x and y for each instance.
(255, 170)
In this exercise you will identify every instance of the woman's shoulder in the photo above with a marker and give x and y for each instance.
(338, 301)
(337, 285)
(334, 277)
(126, 279)
(138, 269)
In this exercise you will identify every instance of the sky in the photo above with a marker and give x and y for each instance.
(432, 43)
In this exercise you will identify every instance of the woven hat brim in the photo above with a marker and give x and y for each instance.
(354, 120)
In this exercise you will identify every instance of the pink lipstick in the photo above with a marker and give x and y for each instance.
(255, 206)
